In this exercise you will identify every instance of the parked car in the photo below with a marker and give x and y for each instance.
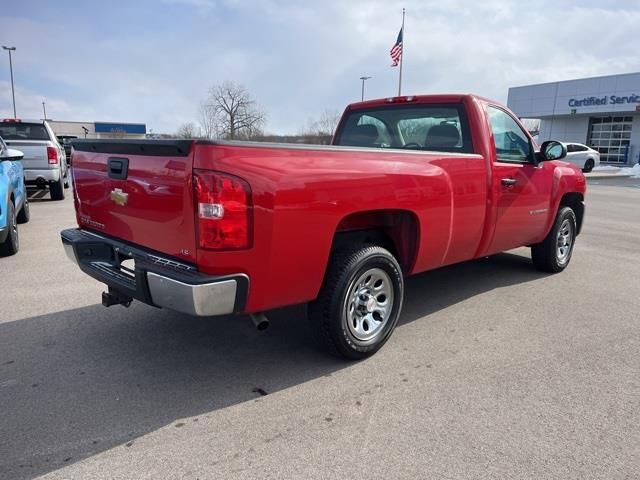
(582, 156)
(410, 184)
(44, 158)
(65, 141)
(14, 204)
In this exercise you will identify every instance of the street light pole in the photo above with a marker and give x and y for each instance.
(13, 93)
(44, 110)
(363, 80)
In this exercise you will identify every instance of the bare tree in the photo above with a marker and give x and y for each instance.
(532, 125)
(207, 120)
(231, 112)
(188, 130)
(324, 126)
(328, 122)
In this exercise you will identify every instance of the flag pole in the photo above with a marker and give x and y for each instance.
(401, 58)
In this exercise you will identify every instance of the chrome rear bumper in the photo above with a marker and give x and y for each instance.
(157, 281)
(44, 175)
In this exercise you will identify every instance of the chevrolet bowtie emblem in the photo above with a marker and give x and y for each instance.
(119, 197)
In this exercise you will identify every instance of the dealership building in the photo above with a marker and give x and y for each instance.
(98, 129)
(601, 112)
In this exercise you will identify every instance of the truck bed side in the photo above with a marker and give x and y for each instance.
(303, 195)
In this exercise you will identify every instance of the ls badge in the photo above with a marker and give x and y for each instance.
(119, 197)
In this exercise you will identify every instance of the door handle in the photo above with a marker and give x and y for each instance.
(509, 182)
(118, 168)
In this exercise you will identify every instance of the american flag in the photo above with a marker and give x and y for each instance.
(396, 50)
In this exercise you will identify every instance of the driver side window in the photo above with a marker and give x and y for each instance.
(511, 142)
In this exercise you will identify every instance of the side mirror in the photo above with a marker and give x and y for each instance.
(552, 150)
(11, 155)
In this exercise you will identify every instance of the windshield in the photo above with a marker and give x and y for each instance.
(66, 140)
(435, 127)
(23, 131)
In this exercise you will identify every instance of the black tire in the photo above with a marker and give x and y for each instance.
(66, 179)
(24, 215)
(57, 190)
(11, 245)
(346, 277)
(588, 166)
(550, 255)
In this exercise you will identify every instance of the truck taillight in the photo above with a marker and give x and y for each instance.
(52, 155)
(224, 211)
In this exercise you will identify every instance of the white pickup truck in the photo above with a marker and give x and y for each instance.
(44, 159)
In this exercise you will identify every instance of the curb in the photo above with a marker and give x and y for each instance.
(604, 175)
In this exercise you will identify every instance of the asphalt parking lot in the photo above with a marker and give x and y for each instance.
(496, 371)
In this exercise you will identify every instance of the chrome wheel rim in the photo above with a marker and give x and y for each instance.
(564, 242)
(368, 305)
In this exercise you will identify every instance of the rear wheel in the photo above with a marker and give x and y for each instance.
(553, 254)
(57, 189)
(11, 244)
(588, 166)
(359, 302)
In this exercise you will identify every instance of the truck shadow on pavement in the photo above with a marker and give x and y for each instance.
(78, 382)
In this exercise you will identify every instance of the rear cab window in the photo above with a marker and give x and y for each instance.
(23, 131)
(428, 127)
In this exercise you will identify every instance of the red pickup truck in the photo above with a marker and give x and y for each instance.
(411, 184)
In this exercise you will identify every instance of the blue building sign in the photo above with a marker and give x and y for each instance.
(606, 100)
(130, 128)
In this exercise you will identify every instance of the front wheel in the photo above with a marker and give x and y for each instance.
(359, 302)
(553, 254)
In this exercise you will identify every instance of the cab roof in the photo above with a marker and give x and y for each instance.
(419, 99)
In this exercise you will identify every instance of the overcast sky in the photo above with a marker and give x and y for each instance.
(153, 61)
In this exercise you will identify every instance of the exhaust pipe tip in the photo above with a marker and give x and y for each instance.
(260, 320)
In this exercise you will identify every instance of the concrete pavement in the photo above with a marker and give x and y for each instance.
(496, 371)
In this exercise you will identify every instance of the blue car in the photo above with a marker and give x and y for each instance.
(14, 205)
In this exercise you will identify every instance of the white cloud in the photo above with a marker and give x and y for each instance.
(200, 4)
(300, 58)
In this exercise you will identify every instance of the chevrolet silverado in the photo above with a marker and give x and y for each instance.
(410, 184)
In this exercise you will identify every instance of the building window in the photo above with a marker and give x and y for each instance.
(611, 137)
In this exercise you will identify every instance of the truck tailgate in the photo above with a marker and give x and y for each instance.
(35, 153)
(137, 191)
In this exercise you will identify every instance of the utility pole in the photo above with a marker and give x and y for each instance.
(44, 110)
(401, 56)
(363, 80)
(13, 93)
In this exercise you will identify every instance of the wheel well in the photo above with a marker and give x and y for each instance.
(395, 230)
(576, 202)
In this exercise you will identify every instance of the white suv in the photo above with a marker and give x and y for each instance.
(582, 156)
